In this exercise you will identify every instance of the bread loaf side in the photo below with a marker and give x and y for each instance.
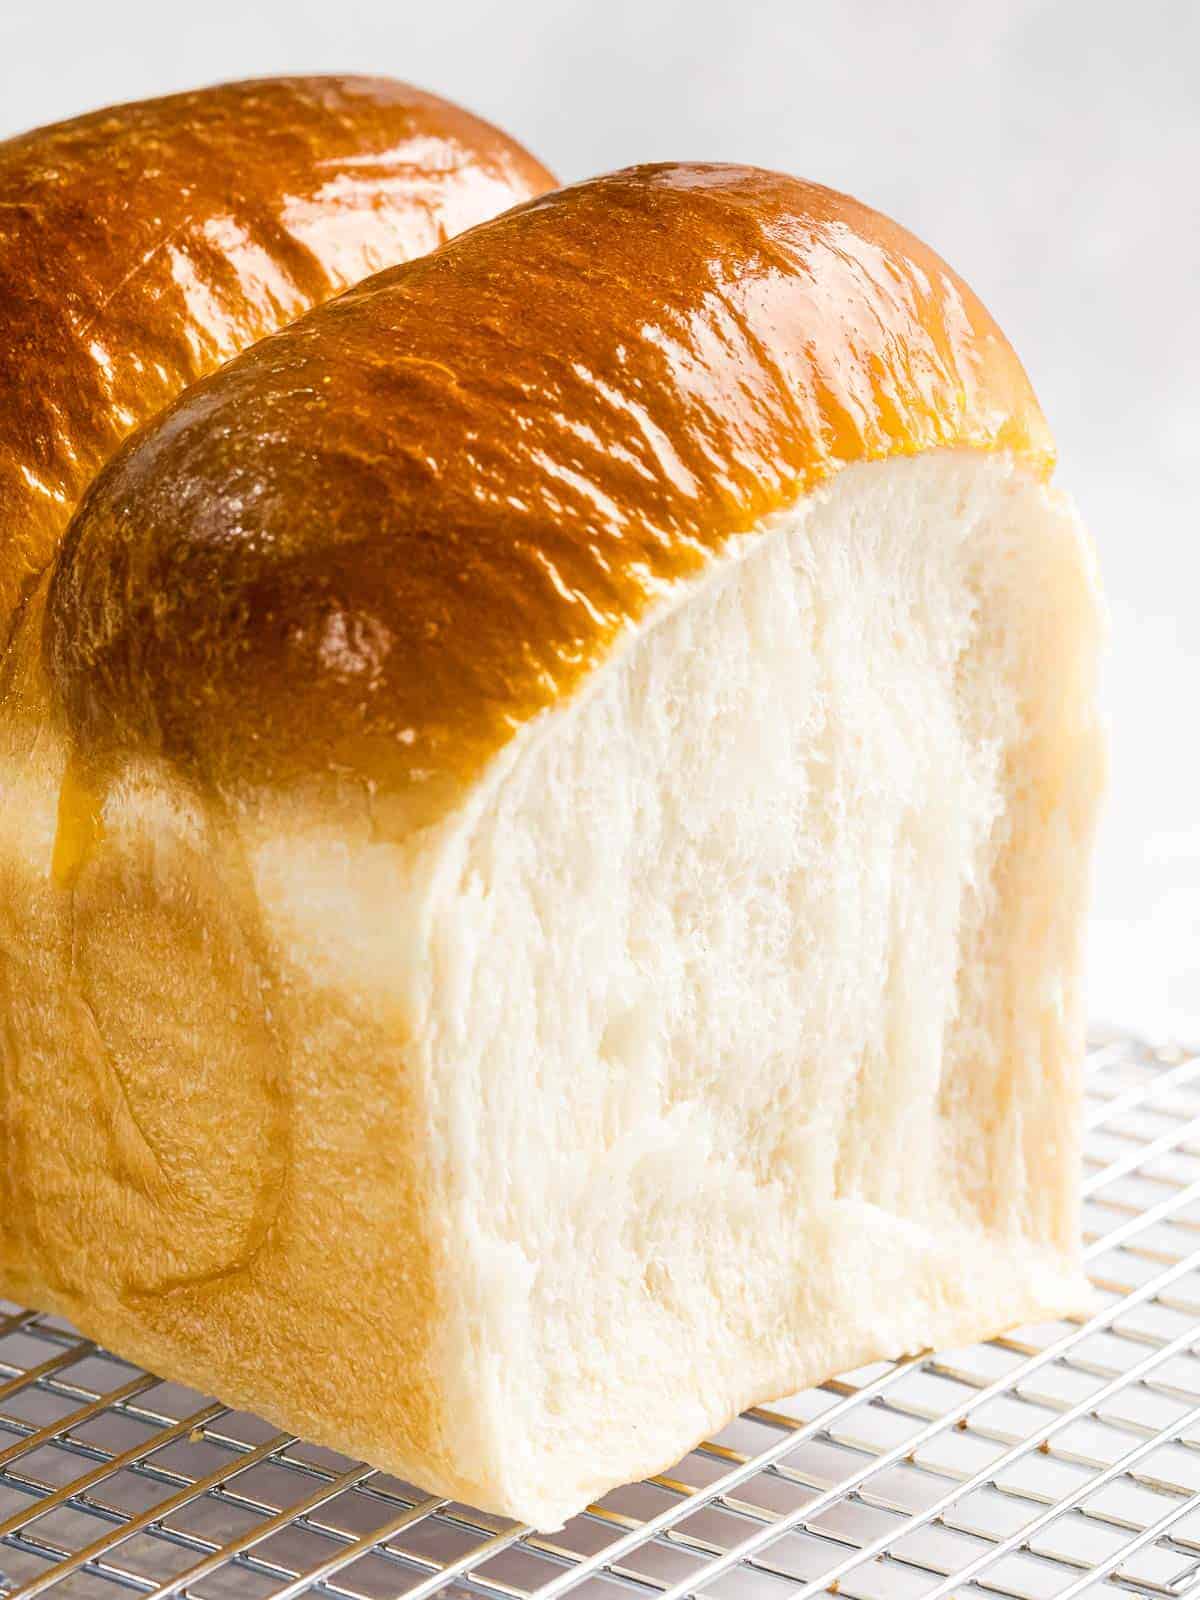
(140, 247)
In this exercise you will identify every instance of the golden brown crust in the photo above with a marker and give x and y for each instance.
(383, 539)
(143, 245)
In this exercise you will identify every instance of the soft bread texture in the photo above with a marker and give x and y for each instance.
(603, 722)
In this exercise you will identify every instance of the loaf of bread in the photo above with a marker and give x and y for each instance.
(545, 842)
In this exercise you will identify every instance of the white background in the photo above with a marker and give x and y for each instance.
(1050, 151)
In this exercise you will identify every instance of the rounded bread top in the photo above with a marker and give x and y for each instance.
(385, 538)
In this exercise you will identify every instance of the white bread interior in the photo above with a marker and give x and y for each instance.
(730, 1030)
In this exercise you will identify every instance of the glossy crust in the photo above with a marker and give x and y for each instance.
(141, 246)
(382, 540)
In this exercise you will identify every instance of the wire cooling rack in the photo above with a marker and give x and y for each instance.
(1054, 1462)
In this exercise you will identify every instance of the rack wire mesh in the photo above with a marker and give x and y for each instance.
(1054, 1462)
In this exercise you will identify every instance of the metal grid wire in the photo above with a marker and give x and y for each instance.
(1056, 1461)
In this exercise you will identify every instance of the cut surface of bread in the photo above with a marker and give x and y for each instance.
(544, 847)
